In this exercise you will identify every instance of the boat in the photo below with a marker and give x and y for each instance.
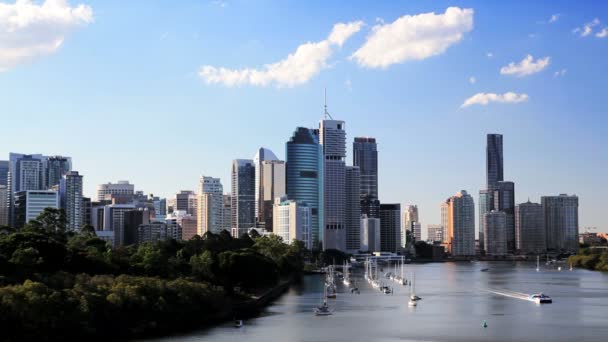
(485, 269)
(323, 309)
(559, 268)
(571, 266)
(540, 298)
(413, 289)
(538, 263)
(386, 290)
(238, 323)
(346, 279)
(413, 301)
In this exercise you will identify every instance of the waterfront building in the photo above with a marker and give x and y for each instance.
(121, 188)
(444, 220)
(485, 206)
(495, 223)
(352, 213)
(56, 167)
(70, 194)
(410, 216)
(292, 220)
(370, 234)
(435, 233)
(504, 200)
(210, 206)
(561, 222)
(365, 156)
(461, 224)
(332, 137)
(304, 177)
(243, 196)
(31, 203)
(271, 185)
(530, 232)
(261, 156)
(390, 227)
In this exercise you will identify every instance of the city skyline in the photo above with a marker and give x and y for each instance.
(552, 136)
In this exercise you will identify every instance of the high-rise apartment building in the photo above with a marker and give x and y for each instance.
(292, 221)
(444, 220)
(365, 156)
(56, 167)
(390, 227)
(122, 188)
(332, 137)
(185, 200)
(4, 207)
(210, 206)
(504, 200)
(561, 222)
(70, 194)
(31, 203)
(304, 177)
(530, 232)
(4, 167)
(26, 172)
(352, 213)
(461, 224)
(272, 186)
(243, 196)
(410, 217)
(263, 154)
(227, 212)
(495, 223)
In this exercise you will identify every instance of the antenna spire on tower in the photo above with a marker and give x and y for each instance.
(326, 113)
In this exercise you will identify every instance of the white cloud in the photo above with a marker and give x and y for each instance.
(490, 55)
(30, 30)
(222, 4)
(587, 28)
(485, 98)
(603, 33)
(554, 18)
(414, 37)
(526, 67)
(299, 67)
(472, 80)
(559, 73)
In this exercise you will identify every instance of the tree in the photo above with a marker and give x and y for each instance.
(51, 220)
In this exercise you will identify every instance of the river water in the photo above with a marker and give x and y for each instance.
(455, 303)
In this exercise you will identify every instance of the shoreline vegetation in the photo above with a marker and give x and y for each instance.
(56, 284)
(595, 259)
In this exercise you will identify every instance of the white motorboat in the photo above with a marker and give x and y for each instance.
(540, 298)
(238, 323)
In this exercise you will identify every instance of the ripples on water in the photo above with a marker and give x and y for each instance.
(455, 303)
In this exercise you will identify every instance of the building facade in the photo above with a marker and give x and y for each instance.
(461, 225)
(243, 196)
(332, 137)
(390, 227)
(530, 232)
(272, 186)
(210, 208)
(435, 233)
(561, 222)
(495, 223)
(31, 203)
(304, 177)
(370, 234)
(292, 221)
(120, 188)
(504, 200)
(56, 167)
(70, 194)
(494, 160)
(353, 209)
(365, 156)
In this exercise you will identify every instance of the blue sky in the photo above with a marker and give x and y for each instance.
(123, 94)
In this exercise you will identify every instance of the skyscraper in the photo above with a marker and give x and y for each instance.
(410, 216)
(485, 206)
(390, 227)
(70, 194)
(530, 233)
(494, 163)
(353, 209)
(4, 207)
(561, 222)
(461, 224)
(56, 167)
(495, 223)
(272, 186)
(4, 167)
(365, 156)
(185, 201)
(370, 234)
(333, 140)
(243, 196)
(210, 206)
(263, 154)
(435, 232)
(504, 200)
(304, 158)
(26, 172)
(31, 203)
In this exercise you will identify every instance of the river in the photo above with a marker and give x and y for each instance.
(455, 303)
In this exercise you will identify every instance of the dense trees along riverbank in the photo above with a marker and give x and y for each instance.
(56, 284)
(591, 258)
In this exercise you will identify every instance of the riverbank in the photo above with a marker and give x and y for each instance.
(595, 259)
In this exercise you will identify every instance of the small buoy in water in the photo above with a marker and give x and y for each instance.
(485, 325)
